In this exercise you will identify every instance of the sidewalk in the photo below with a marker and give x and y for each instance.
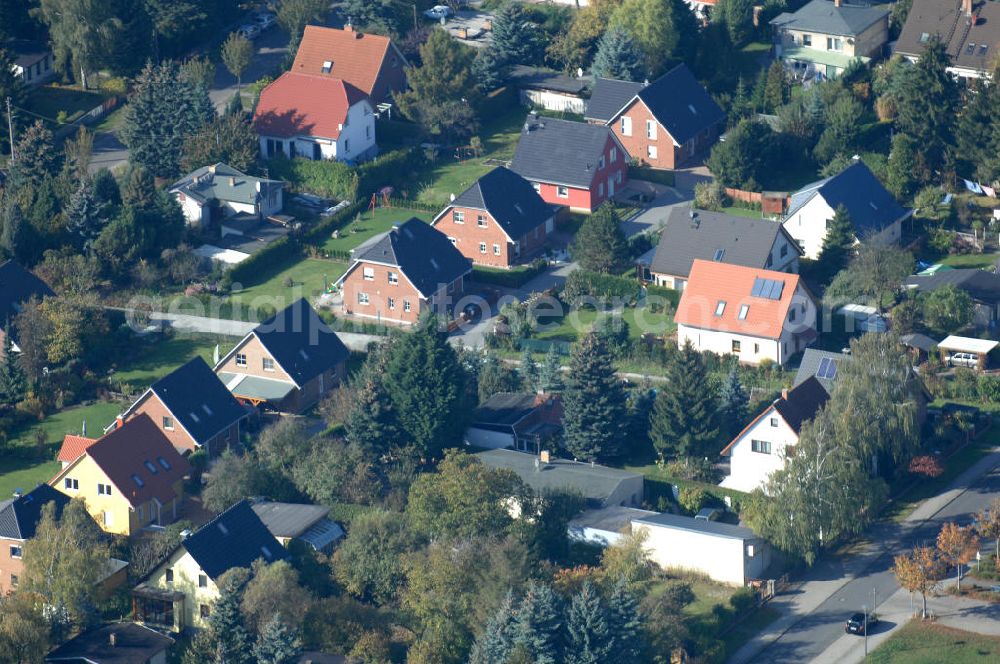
(817, 586)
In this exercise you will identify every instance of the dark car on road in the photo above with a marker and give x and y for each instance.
(856, 623)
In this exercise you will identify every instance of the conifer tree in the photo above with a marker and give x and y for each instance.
(529, 372)
(539, 625)
(14, 231)
(594, 403)
(496, 644)
(590, 640)
(928, 105)
(488, 69)
(35, 159)
(277, 644)
(371, 423)
(733, 402)
(625, 625)
(618, 56)
(775, 87)
(838, 243)
(232, 643)
(495, 377)
(600, 244)
(514, 39)
(83, 216)
(901, 173)
(684, 418)
(550, 377)
(12, 380)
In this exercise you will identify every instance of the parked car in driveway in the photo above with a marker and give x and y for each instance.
(249, 30)
(857, 624)
(438, 12)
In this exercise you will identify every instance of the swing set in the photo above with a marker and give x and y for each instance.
(381, 198)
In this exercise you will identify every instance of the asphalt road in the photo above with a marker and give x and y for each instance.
(816, 631)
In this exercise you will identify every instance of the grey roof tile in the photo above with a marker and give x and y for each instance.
(560, 151)
(679, 102)
(19, 517)
(300, 342)
(824, 17)
(609, 96)
(510, 200)
(235, 538)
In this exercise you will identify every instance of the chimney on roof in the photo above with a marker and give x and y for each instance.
(349, 26)
(967, 7)
(112, 639)
(211, 169)
(836, 3)
(232, 182)
(784, 390)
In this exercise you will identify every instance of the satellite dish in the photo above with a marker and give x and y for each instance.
(452, 198)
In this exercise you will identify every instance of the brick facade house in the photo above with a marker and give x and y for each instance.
(499, 221)
(570, 164)
(288, 362)
(668, 122)
(192, 408)
(19, 518)
(399, 275)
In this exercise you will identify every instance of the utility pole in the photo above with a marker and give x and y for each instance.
(10, 129)
(414, 16)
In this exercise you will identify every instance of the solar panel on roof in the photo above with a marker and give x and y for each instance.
(777, 287)
(758, 286)
(827, 369)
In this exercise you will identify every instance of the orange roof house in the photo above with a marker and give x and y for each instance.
(752, 313)
(371, 63)
(73, 447)
(315, 116)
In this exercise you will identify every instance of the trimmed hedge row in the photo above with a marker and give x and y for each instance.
(651, 175)
(322, 230)
(674, 296)
(394, 169)
(335, 179)
(513, 278)
(582, 283)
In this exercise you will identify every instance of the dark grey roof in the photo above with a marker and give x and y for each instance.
(801, 403)
(919, 341)
(538, 78)
(945, 19)
(824, 17)
(235, 538)
(593, 482)
(25, 52)
(505, 409)
(871, 207)
(289, 519)
(17, 286)
(560, 152)
(300, 342)
(809, 367)
(741, 240)
(609, 96)
(198, 400)
(19, 517)
(510, 200)
(225, 183)
(679, 103)
(680, 522)
(423, 254)
(134, 644)
(979, 284)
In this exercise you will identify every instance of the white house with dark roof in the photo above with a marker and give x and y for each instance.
(764, 445)
(17, 286)
(701, 234)
(33, 62)
(824, 36)
(226, 191)
(877, 216)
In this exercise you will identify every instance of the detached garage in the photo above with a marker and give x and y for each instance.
(723, 552)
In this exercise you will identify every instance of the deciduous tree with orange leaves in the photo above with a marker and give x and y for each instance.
(919, 571)
(958, 545)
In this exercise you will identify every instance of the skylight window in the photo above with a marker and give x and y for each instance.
(222, 528)
(744, 310)
(872, 203)
(266, 551)
(164, 463)
(720, 307)
(692, 109)
(434, 264)
(327, 66)
(719, 253)
(970, 49)
(151, 467)
(208, 411)
(194, 416)
(138, 481)
(982, 49)
(924, 37)
(304, 355)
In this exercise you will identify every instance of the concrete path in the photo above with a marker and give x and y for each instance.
(813, 611)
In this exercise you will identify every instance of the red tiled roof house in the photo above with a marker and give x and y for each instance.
(399, 275)
(315, 117)
(572, 164)
(371, 63)
(751, 313)
(497, 221)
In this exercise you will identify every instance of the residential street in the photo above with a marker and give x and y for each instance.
(814, 612)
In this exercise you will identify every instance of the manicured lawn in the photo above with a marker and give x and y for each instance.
(743, 212)
(929, 643)
(371, 224)
(24, 474)
(307, 277)
(159, 359)
(48, 100)
(71, 420)
(577, 321)
(970, 260)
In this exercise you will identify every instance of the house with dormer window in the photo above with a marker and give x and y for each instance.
(192, 408)
(968, 29)
(130, 479)
(181, 591)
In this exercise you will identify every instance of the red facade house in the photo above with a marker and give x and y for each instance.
(571, 164)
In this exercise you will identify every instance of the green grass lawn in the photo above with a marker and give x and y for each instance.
(743, 212)
(307, 277)
(577, 321)
(969, 260)
(49, 100)
(24, 474)
(371, 224)
(928, 643)
(159, 359)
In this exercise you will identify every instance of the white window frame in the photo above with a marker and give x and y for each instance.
(368, 273)
(651, 130)
(482, 247)
(406, 306)
(363, 299)
(458, 216)
(496, 249)
(168, 423)
(562, 191)
(652, 152)
(614, 154)
(241, 359)
(481, 220)
(391, 303)
(267, 363)
(626, 125)
(393, 278)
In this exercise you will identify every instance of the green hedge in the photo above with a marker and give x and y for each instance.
(513, 278)
(582, 283)
(674, 296)
(651, 175)
(331, 179)
(394, 169)
(322, 230)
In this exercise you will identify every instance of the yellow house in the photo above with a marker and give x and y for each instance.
(180, 591)
(129, 479)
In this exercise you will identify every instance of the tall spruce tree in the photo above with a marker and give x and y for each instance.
(496, 644)
(838, 244)
(12, 87)
(927, 108)
(625, 625)
(15, 231)
(277, 644)
(594, 403)
(496, 377)
(600, 244)
(35, 159)
(231, 640)
(901, 172)
(514, 39)
(489, 70)
(371, 423)
(84, 220)
(550, 377)
(733, 402)
(12, 380)
(538, 629)
(684, 421)
(618, 56)
(428, 389)
(590, 640)
(528, 371)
